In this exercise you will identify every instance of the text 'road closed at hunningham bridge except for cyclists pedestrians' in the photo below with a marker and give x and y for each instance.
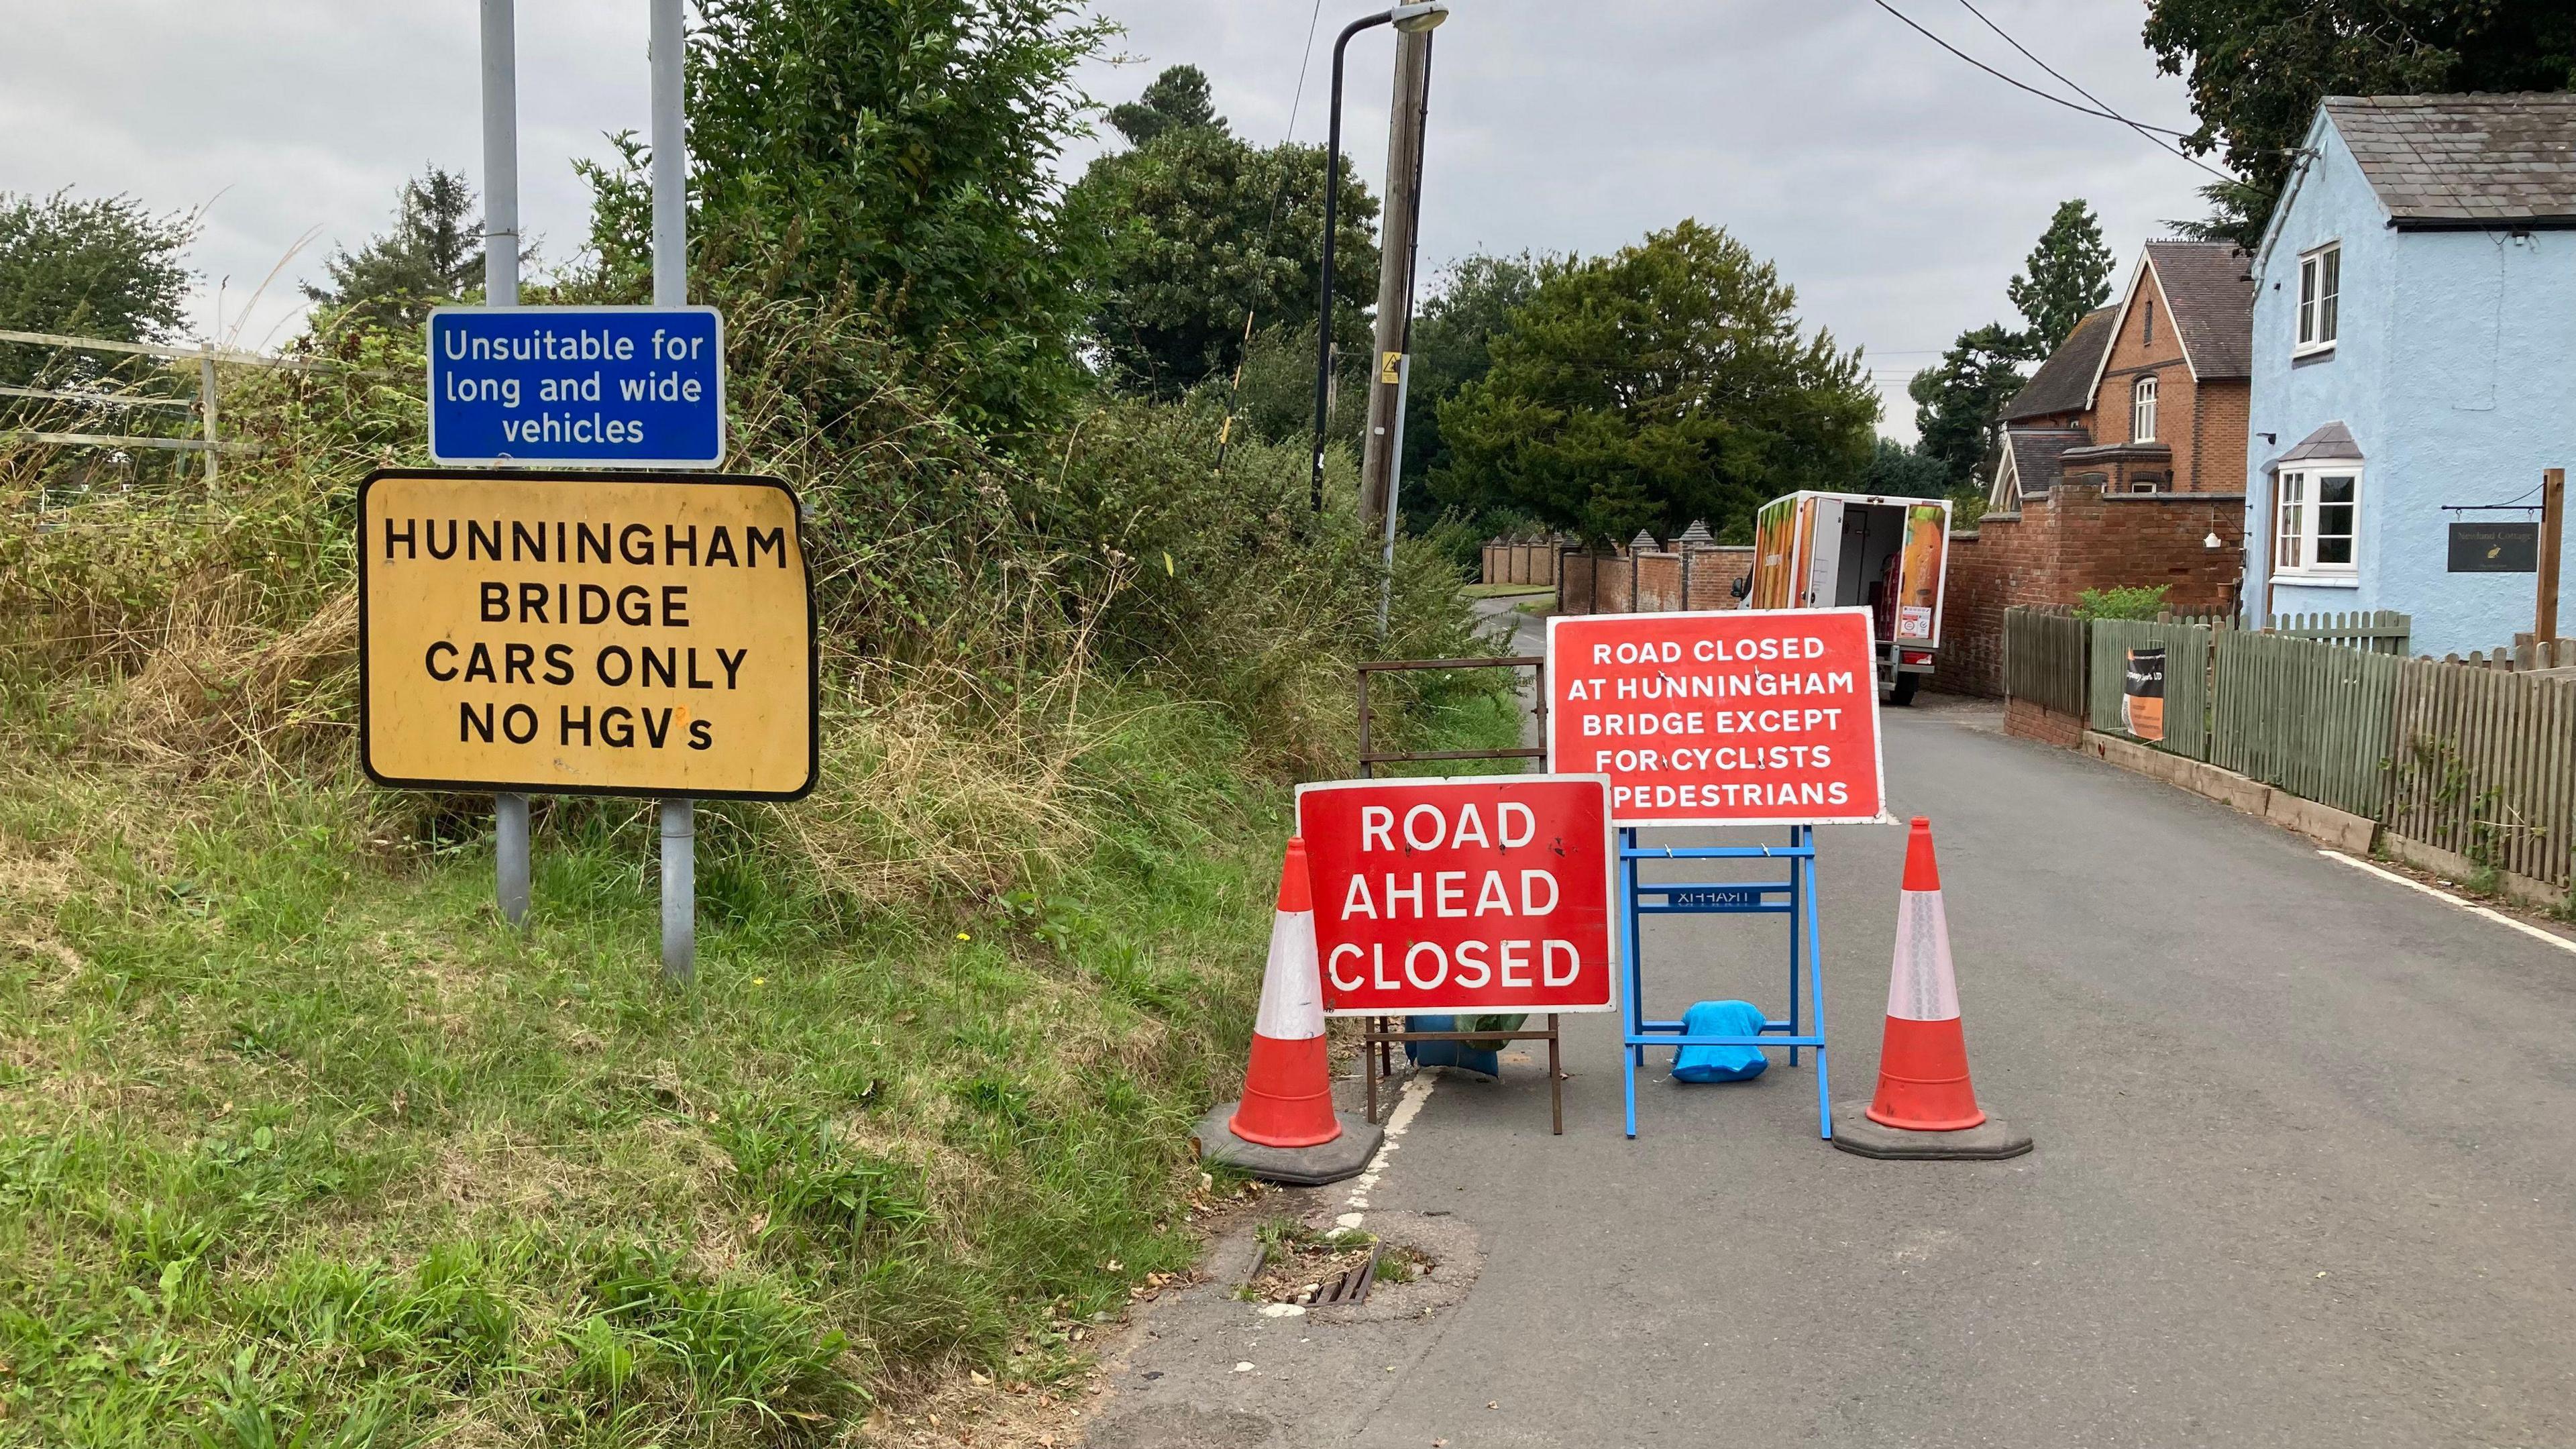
(636, 387)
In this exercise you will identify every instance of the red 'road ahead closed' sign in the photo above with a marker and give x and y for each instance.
(1747, 717)
(1484, 895)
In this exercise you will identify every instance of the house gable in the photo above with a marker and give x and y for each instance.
(2450, 367)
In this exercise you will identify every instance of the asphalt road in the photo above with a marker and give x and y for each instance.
(2305, 1175)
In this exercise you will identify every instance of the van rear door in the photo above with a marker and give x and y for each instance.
(1824, 530)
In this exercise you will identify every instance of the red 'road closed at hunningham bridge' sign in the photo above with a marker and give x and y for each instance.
(1751, 717)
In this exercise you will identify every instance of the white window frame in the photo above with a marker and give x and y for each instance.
(2320, 308)
(2142, 410)
(2297, 513)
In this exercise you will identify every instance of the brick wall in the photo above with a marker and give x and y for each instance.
(1659, 582)
(1713, 573)
(1509, 561)
(1575, 574)
(2035, 722)
(1696, 577)
(2079, 538)
(2219, 420)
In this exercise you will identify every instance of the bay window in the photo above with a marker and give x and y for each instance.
(2316, 512)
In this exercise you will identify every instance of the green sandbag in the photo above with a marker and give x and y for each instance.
(1490, 1023)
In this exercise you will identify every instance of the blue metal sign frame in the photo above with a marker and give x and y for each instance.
(1795, 898)
(577, 387)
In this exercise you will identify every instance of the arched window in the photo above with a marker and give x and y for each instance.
(2142, 411)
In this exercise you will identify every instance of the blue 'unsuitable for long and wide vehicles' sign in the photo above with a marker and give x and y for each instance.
(638, 387)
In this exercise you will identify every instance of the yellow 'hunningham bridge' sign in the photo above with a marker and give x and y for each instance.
(585, 633)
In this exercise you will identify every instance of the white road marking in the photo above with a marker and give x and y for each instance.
(2472, 907)
(1417, 1090)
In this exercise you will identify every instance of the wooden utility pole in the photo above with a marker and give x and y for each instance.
(1405, 119)
(2553, 523)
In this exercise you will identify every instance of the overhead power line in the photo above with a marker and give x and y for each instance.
(2096, 110)
(2154, 134)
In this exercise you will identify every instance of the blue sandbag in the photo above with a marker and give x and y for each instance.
(1720, 1063)
(1453, 1054)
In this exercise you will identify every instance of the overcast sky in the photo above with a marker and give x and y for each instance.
(1896, 187)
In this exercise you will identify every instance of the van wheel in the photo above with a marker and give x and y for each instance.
(1901, 693)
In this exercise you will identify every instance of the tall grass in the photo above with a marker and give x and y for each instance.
(300, 1145)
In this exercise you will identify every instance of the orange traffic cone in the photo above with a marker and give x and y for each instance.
(1288, 1088)
(1923, 1064)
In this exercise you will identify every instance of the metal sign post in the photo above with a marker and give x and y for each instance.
(671, 289)
(1794, 897)
(1398, 937)
(501, 289)
(1742, 717)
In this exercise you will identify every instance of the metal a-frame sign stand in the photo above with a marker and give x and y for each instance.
(1794, 897)
(1665, 659)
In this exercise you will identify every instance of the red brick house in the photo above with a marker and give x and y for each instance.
(2122, 459)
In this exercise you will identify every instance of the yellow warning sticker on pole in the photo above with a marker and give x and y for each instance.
(1390, 368)
(585, 633)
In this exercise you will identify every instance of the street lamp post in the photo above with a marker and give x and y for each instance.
(1412, 20)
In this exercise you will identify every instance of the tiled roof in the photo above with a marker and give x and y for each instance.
(2064, 383)
(2210, 294)
(2035, 457)
(2465, 159)
(2334, 440)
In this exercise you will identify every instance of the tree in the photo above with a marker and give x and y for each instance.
(1175, 100)
(1958, 405)
(433, 254)
(1898, 471)
(105, 268)
(1193, 232)
(1454, 331)
(2258, 68)
(899, 155)
(1663, 383)
(2066, 275)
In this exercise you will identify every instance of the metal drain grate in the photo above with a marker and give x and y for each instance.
(1350, 1287)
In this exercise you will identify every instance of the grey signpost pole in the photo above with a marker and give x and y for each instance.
(671, 289)
(501, 289)
(1394, 484)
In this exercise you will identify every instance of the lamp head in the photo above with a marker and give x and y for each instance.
(1415, 19)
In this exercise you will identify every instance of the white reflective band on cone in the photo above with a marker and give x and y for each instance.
(1292, 990)
(1923, 986)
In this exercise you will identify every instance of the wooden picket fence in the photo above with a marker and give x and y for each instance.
(2373, 631)
(2474, 756)
(2309, 717)
(2044, 659)
(2186, 647)
(2485, 762)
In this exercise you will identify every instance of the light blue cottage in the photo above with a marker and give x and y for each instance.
(2414, 352)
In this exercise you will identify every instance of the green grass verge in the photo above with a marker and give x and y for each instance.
(300, 1145)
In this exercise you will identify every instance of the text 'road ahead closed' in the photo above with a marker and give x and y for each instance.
(1483, 896)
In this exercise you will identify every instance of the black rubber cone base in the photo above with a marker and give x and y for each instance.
(1342, 1157)
(1988, 1141)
